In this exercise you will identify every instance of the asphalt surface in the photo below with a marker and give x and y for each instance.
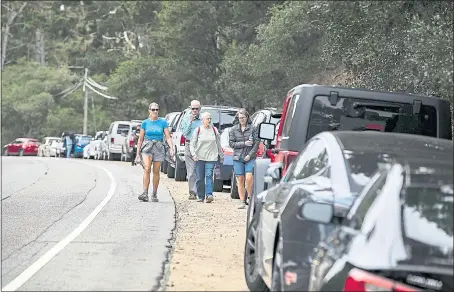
(46, 199)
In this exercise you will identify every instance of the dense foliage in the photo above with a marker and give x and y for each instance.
(242, 53)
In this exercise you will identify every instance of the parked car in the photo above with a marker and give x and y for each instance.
(22, 147)
(311, 109)
(80, 142)
(222, 117)
(43, 148)
(55, 148)
(116, 136)
(266, 115)
(171, 119)
(130, 141)
(333, 167)
(397, 236)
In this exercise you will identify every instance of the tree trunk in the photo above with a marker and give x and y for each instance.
(11, 15)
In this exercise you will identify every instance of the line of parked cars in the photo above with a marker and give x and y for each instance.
(355, 195)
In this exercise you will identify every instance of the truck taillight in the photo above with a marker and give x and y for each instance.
(111, 139)
(131, 142)
(361, 281)
(182, 140)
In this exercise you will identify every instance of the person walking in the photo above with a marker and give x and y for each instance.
(68, 144)
(189, 125)
(206, 151)
(152, 149)
(244, 142)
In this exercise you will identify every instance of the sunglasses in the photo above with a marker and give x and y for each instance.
(154, 109)
(195, 108)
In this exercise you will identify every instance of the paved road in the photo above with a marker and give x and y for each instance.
(46, 199)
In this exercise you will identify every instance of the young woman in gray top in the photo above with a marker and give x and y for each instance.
(244, 142)
(207, 152)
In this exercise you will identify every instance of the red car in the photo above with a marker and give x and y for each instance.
(21, 147)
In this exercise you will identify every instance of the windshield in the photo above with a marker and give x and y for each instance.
(227, 118)
(374, 115)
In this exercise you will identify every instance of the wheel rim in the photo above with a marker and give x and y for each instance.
(250, 253)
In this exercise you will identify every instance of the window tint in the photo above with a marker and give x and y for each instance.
(123, 128)
(227, 118)
(312, 160)
(363, 114)
(366, 202)
(289, 116)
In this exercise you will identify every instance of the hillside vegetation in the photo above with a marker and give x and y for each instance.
(241, 53)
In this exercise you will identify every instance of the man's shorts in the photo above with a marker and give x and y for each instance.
(241, 167)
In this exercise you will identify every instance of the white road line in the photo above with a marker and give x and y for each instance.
(42, 261)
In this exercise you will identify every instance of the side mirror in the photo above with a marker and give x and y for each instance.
(266, 131)
(317, 212)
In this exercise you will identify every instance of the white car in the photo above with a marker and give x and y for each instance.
(45, 149)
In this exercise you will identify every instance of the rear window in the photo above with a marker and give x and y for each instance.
(122, 128)
(361, 114)
(83, 139)
(227, 118)
(427, 219)
(32, 141)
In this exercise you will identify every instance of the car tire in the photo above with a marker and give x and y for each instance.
(180, 170)
(234, 188)
(170, 171)
(218, 185)
(253, 280)
(6, 153)
(166, 167)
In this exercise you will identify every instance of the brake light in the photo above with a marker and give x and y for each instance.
(182, 140)
(361, 281)
(131, 142)
(111, 139)
(375, 127)
(78, 145)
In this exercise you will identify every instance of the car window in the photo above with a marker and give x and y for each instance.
(258, 119)
(357, 218)
(274, 120)
(289, 116)
(427, 218)
(362, 114)
(312, 160)
(123, 128)
(227, 118)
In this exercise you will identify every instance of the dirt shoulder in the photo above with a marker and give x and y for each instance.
(209, 241)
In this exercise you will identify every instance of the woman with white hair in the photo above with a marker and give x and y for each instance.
(152, 148)
(207, 152)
